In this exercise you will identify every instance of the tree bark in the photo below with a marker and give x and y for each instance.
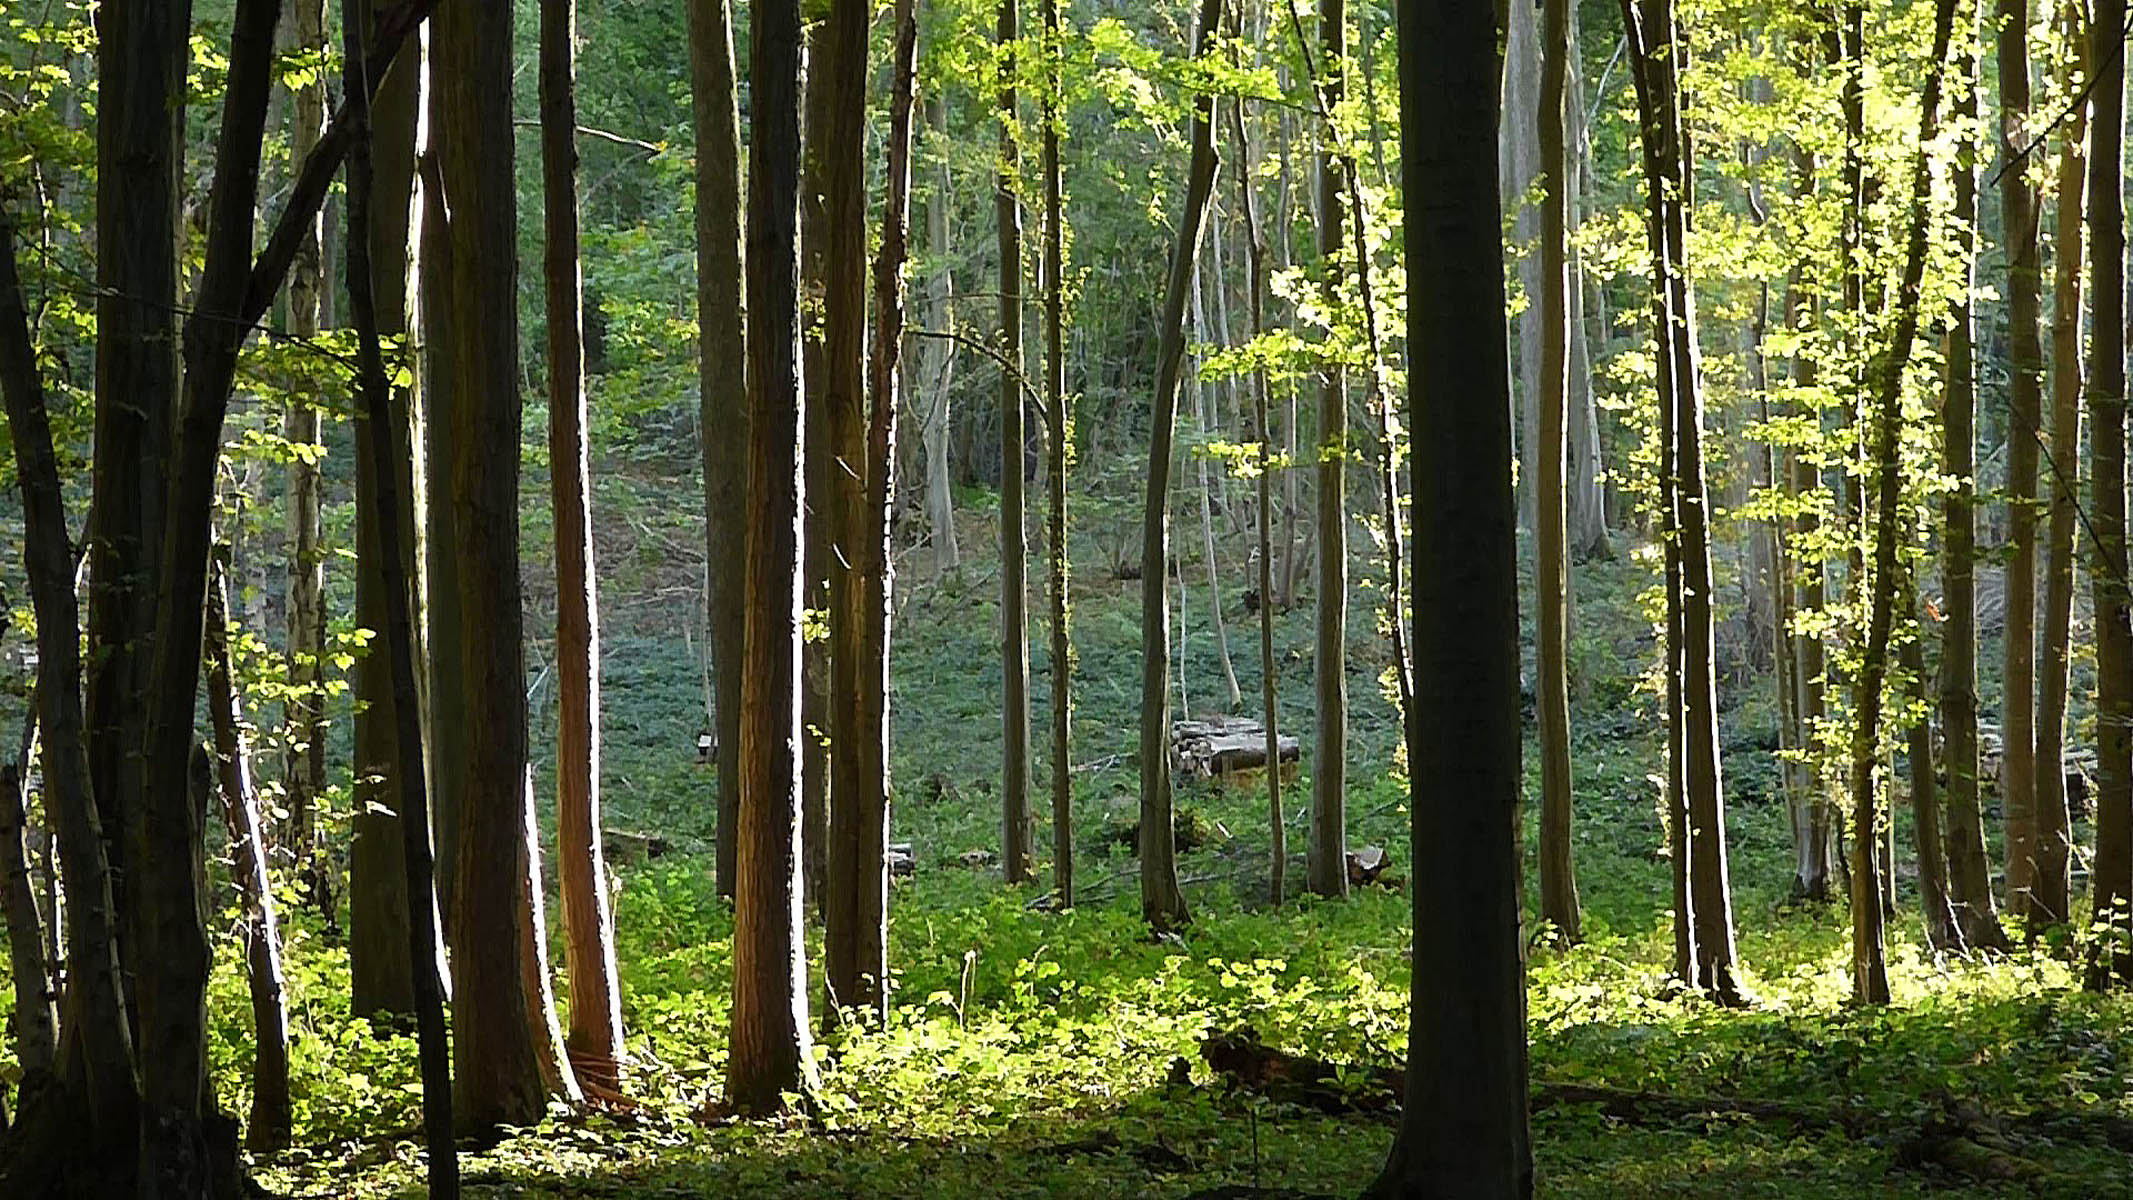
(1969, 868)
(2111, 872)
(1014, 542)
(2053, 882)
(2019, 206)
(1463, 1127)
(595, 1035)
(937, 363)
(1559, 889)
(1208, 426)
(722, 376)
(1870, 982)
(36, 1017)
(1327, 864)
(271, 1121)
(1162, 900)
(1936, 908)
(503, 1058)
(1060, 441)
(770, 1051)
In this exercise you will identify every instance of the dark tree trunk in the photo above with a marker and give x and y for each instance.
(1463, 1127)
(1015, 857)
(1327, 862)
(1059, 439)
(1558, 878)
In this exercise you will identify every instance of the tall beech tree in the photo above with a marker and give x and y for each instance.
(1162, 900)
(595, 1037)
(1326, 870)
(1015, 852)
(771, 1047)
(1463, 1125)
(722, 379)
(1559, 889)
(1704, 944)
(2111, 872)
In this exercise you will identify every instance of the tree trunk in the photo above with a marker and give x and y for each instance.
(502, 1056)
(1936, 908)
(937, 364)
(270, 1123)
(385, 447)
(771, 1050)
(2053, 884)
(722, 377)
(2111, 873)
(1657, 56)
(595, 1037)
(1870, 982)
(1551, 451)
(36, 1017)
(381, 974)
(1520, 164)
(1327, 865)
(2019, 206)
(1014, 543)
(1270, 712)
(1060, 441)
(1207, 427)
(304, 712)
(1814, 819)
(1463, 1127)
(1969, 868)
(1162, 900)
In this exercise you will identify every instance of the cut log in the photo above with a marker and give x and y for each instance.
(1221, 747)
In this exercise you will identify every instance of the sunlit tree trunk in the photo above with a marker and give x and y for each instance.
(771, 1049)
(937, 362)
(1060, 440)
(1162, 900)
(1326, 867)
(1463, 1126)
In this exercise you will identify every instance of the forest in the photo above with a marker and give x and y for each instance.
(1235, 599)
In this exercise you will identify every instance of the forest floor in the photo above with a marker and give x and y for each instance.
(1031, 1053)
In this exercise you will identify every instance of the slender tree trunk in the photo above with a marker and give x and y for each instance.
(400, 598)
(1270, 711)
(1969, 867)
(1463, 1128)
(1519, 161)
(1814, 841)
(722, 356)
(2053, 882)
(1327, 864)
(2019, 206)
(937, 364)
(1060, 439)
(595, 1037)
(1014, 543)
(1208, 426)
(304, 713)
(381, 974)
(270, 1123)
(771, 1050)
(1870, 982)
(1559, 889)
(2111, 873)
(1162, 900)
(36, 1017)
(503, 1059)
(1936, 908)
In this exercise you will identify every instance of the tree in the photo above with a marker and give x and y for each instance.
(2111, 872)
(1704, 901)
(2019, 205)
(504, 1059)
(595, 1038)
(770, 1051)
(1060, 440)
(1463, 1126)
(1969, 869)
(1162, 900)
(1559, 889)
(722, 381)
(1014, 541)
(1327, 866)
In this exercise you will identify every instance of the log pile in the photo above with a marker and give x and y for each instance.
(1223, 747)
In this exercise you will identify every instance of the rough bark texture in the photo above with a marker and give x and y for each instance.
(770, 1046)
(269, 1125)
(2053, 883)
(1014, 542)
(2019, 207)
(1162, 900)
(722, 376)
(1326, 868)
(1870, 982)
(1059, 440)
(1463, 1128)
(1558, 878)
(595, 1035)
(1969, 866)
(2111, 872)
(501, 1058)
